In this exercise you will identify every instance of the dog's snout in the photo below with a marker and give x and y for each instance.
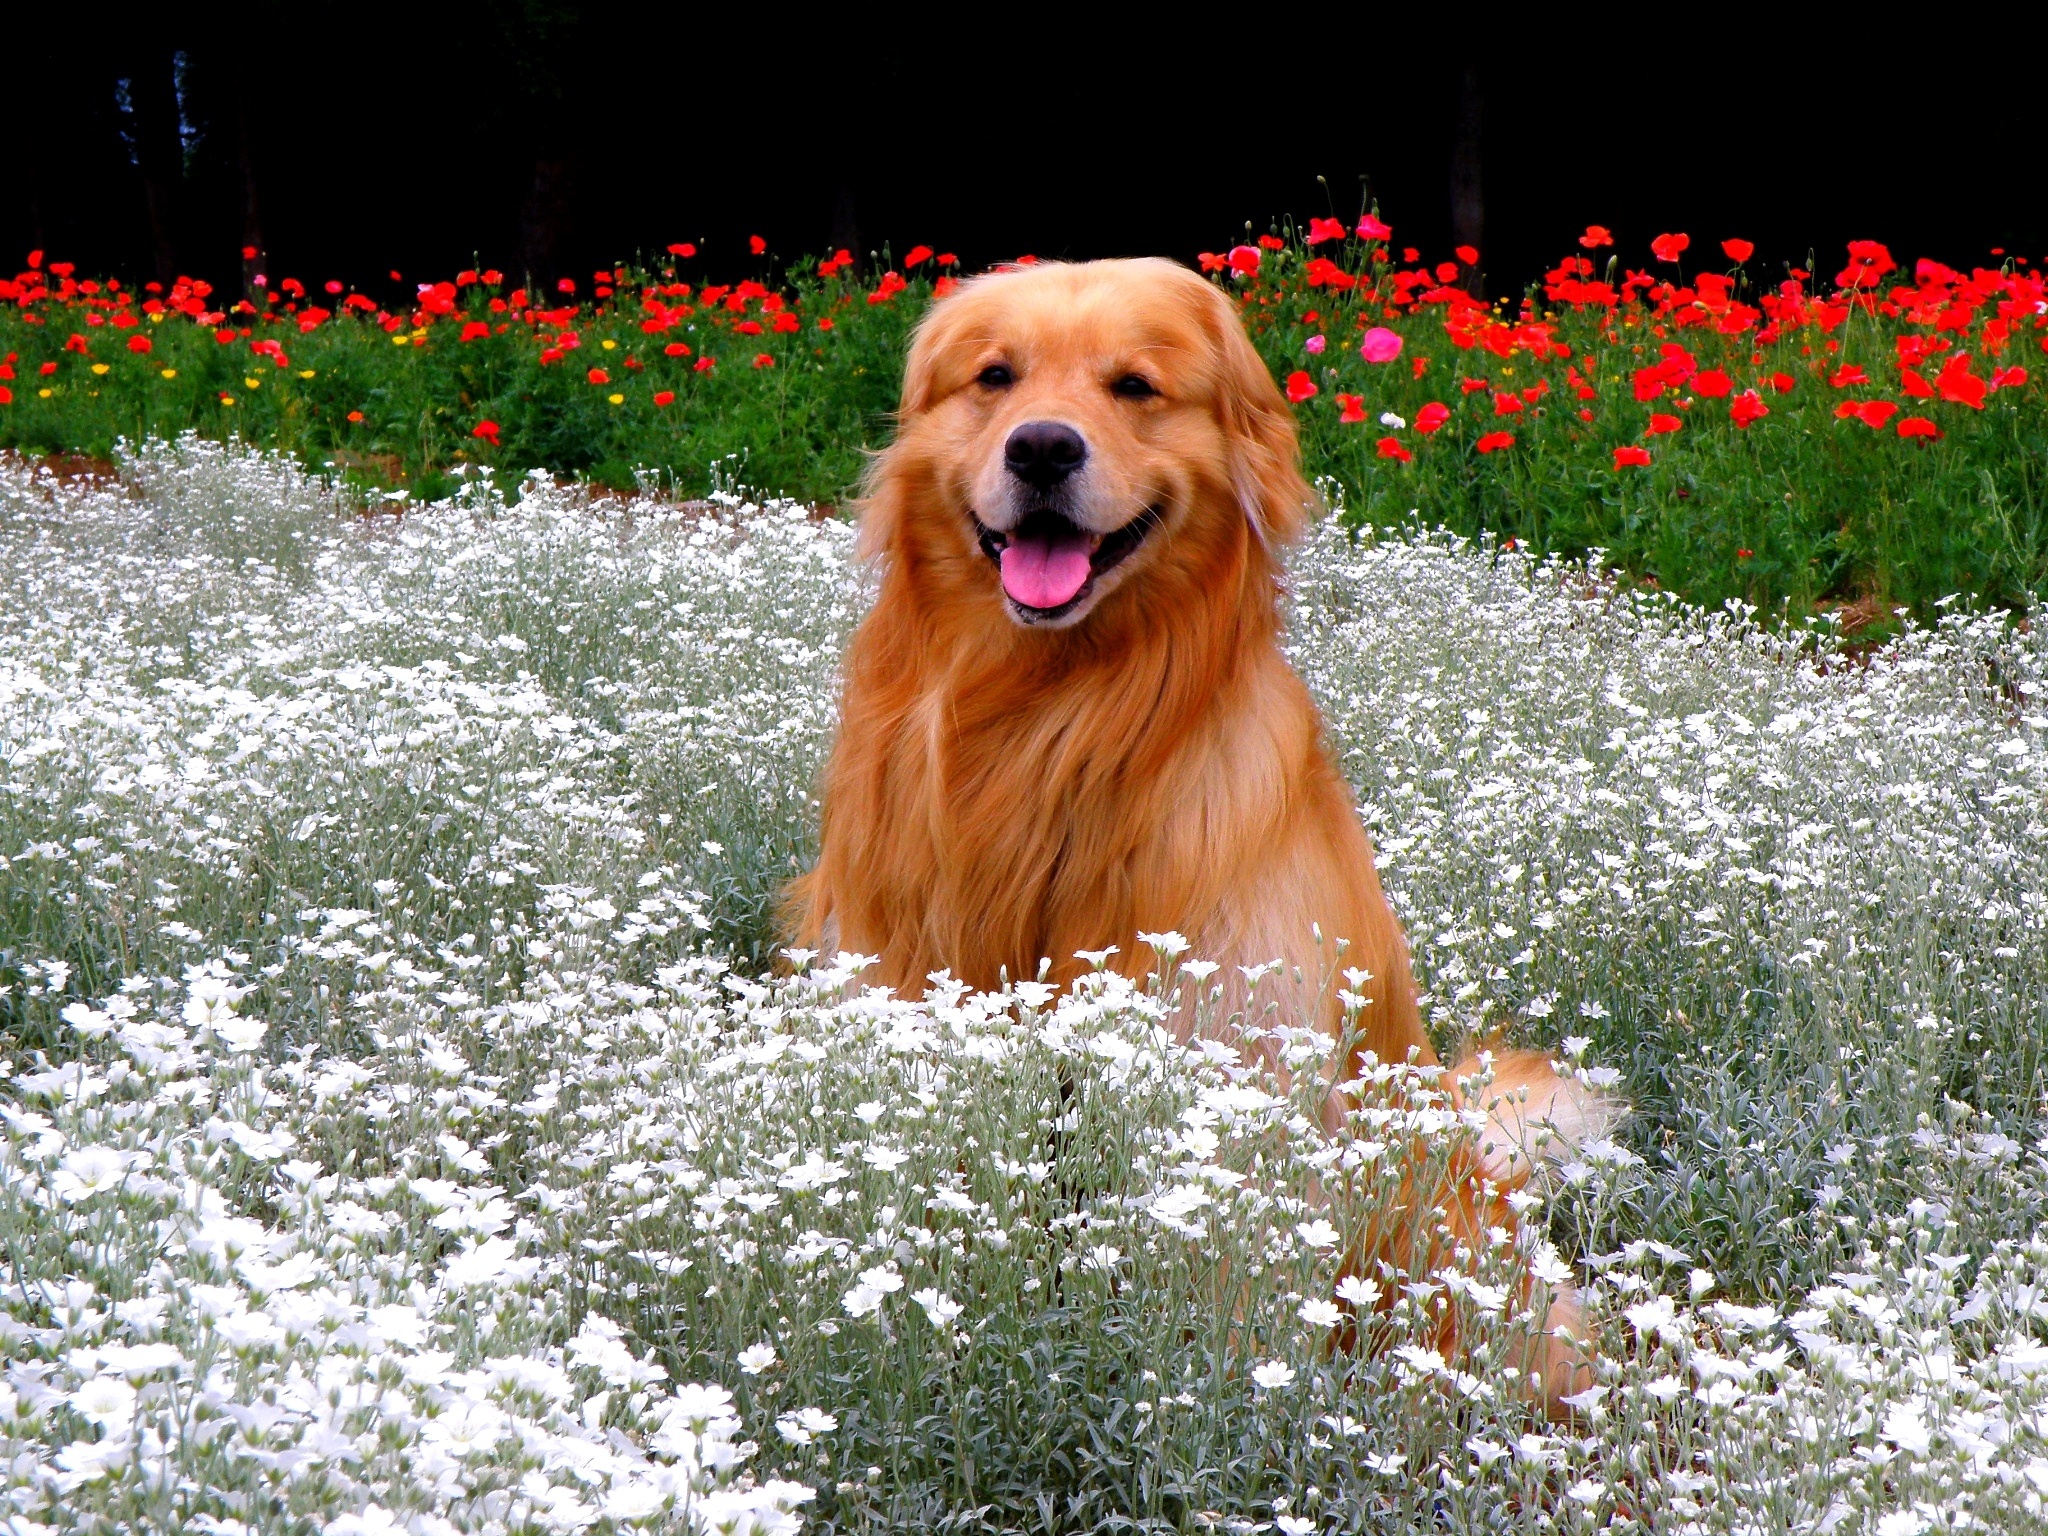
(1043, 453)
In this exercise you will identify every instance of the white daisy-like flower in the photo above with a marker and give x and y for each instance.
(1272, 1375)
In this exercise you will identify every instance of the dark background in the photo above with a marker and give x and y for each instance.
(551, 138)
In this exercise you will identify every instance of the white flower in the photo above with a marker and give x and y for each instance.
(634, 1501)
(209, 1002)
(88, 1171)
(107, 1401)
(1318, 1313)
(805, 1425)
(238, 1033)
(478, 1264)
(87, 1020)
(756, 1358)
(1485, 1452)
(865, 1299)
(1272, 1375)
(1102, 1257)
(1293, 1525)
(1358, 1291)
(1389, 419)
(1317, 1234)
(938, 1306)
(371, 1520)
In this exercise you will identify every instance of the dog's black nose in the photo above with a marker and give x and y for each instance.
(1043, 453)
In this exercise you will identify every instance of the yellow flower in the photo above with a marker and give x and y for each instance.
(399, 341)
(44, 394)
(99, 367)
(170, 373)
(616, 399)
(305, 373)
(253, 383)
(608, 344)
(227, 399)
(156, 317)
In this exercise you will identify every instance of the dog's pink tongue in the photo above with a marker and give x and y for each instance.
(1045, 572)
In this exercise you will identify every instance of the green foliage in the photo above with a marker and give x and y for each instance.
(1801, 508)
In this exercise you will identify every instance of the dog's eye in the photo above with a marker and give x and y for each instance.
(996, 376)
(1133, 386)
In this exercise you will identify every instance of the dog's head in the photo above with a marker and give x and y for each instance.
(1070, 432)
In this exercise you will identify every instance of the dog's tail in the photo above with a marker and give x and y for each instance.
(1537, 1114)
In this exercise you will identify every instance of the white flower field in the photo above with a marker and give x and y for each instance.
(408, 1125)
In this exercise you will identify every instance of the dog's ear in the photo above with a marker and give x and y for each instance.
(1265, 456)
(936, 335)
(883, 491)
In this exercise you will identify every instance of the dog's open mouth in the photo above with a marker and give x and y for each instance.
(1048, 563)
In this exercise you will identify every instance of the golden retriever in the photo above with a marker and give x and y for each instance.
(1067, 719)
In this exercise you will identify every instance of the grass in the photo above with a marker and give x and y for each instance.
(401, 1128)
(1718, 428)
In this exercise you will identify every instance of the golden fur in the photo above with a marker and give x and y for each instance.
(1008, 784)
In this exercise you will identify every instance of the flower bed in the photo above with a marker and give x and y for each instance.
(399, 1131)
(1864, 437)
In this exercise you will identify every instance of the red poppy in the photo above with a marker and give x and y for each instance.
(706, 364)
(1431, 417)
(683, 249)
(1847, 374)
(47, 369)
(140, 343)
(1493, 441)
(1914, 383)
(1213, 261)
(664, 397)
(948, 259)
(1917, 426)
(565, 285)
(1737, 251)
(356, 416)
(1300, 387)
(1507, 405)
(1320, 230)
(1596, 235)
(1244, 259)
(1669, 247)
(1957, 384)
(2002, 378)
(1872, 413)
(1744, 554)
(486, 429)
(248, 254)
(757, 245)
(1713, 383)
(1783, 382)
(1390, 448)
(1472, 386)
(1747, 408)
(476, 330)
(1272, 243)
(917, 254)
(1370, 228)
(1350, 408)
(1467, 255)
(599, 376)
(1630, 456)
(764, 360)
(1661, 423)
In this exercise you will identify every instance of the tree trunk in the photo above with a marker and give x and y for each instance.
(159, 153)
(545, 214)
(1468, 191)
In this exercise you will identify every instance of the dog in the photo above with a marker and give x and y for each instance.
(1067, 719)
